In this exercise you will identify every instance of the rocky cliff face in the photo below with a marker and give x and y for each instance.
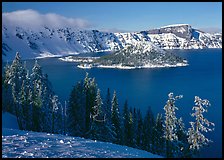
(64, 41)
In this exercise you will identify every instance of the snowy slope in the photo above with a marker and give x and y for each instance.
(23, 144)
(64, 41)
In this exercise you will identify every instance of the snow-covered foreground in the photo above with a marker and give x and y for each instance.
(17, 143)
(24, 144)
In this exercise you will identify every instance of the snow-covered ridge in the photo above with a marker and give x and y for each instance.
(67, 41)
(174, 25)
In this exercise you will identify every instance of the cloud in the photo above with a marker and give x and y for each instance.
(33, 19)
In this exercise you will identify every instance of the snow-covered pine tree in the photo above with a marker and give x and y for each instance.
(98, 118)
(57, 122)
(16, 76)
(96, 114)
(7, 101)
(37, 87)
(109, 135)
(170, 123)
(115, 118)
(90, 94)
(196, 138)
(51, 108)
(25, 101)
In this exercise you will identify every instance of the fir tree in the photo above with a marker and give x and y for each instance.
(109, 134)
(139, 136)
(195, 137)
(7, 101)
(148, 125)
(182, 146)
(159, 140)
(31, 95)
(77, 111)
(115, 119)
(36, 80)
(81, 107)
(64, 118)
(170, 123)
(130, 128)
(126, 126)
(17, 75)
(134, 128)
(107, 105)
(90, 94)
(98, 119)
(56, 115)
(26, 101)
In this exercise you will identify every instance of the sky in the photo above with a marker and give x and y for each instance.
(114, 16)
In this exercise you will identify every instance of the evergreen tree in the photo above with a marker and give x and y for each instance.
(90, 94)
(130, 129)
(17, 75)
(109, 134)
(77, 111)
(195, 137)
(182, 148)
(115, 119)
(107, 105)
(49, 100)
(170, 123)
(126, 126)
(25, 101)
(135, 127)
(148, 125)
(81, 107)
(64, 118)
(159, 140)
(57, 123)
(31, 96)
(7, 101)
(98, 119)
(37, 86)
(139, 136)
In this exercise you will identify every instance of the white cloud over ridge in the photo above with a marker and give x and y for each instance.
(32, 19)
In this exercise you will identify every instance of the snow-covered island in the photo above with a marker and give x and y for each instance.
(139, 55)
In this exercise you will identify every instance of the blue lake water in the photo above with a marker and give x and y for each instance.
(150, 87)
